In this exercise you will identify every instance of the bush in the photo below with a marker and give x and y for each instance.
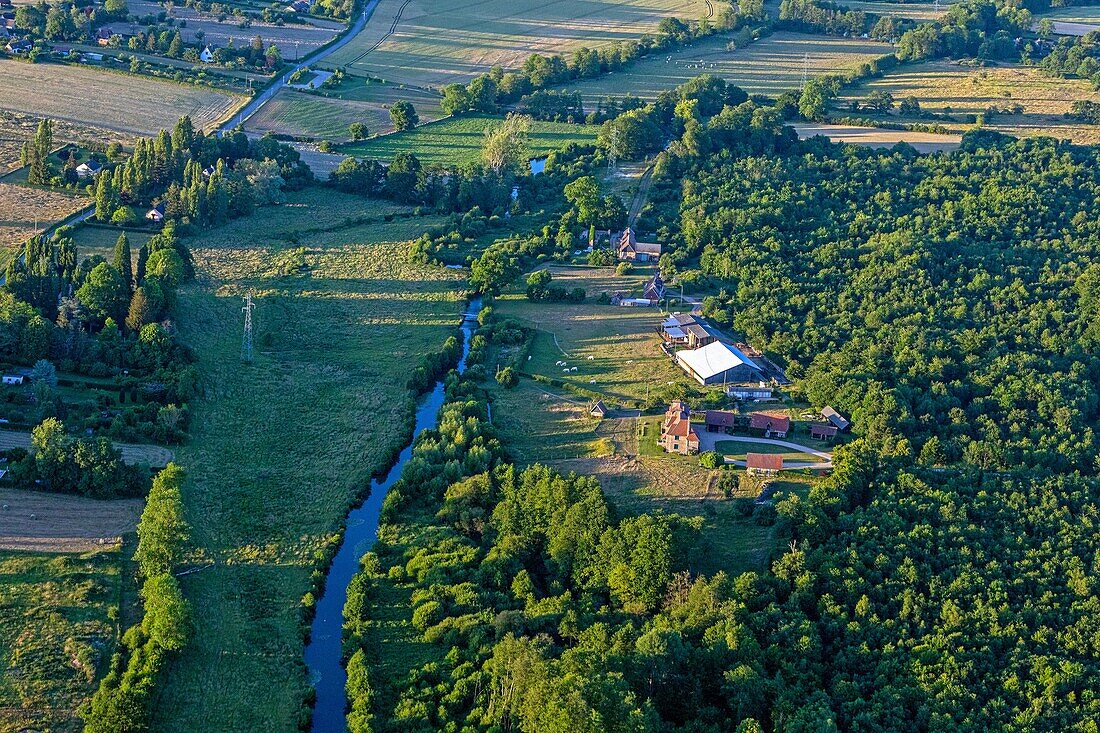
(507, 378)
(711, 459)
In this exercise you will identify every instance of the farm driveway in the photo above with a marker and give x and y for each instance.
(707, 442)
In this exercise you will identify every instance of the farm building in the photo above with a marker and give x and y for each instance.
(767, 464)
(822, 432)
(770, 426)
(16, 47)
(14, 379)
(718, 421)
(835, 418)
(677, 435)
(750, 393)
(717, 363)
(88, 169)
(672, 330)
(299, 6)
(156, 213)
(630, 249)
(599, 409)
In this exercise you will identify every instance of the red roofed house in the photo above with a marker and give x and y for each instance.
(822, 432)
(772, 426)
(765, 463)
(718, 421)
(677, 435)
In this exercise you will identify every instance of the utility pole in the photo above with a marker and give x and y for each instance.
(806, 69)
(246, 343)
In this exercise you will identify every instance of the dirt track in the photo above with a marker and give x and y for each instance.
(44, 522)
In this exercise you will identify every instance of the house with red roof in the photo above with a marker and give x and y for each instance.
(677, 435)
(767, 464)
(770, 426)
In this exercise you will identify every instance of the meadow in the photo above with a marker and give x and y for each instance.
(915, 11)
(1073, 21)
(432, 43)
(100, 240)
(877, 137)
(957, 90)
(281, 447)
(121, 103)
(59, 619)
(771, 65)
(456, 141)
(22, 208)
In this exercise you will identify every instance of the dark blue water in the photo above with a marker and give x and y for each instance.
(324, 649)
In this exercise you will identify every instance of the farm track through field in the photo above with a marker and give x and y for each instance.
(710, 9)
(640, 197)
(386, 36)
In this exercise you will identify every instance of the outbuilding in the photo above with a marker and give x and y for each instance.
(766, 464)
(598, 409)
(719, 421)
(769, 425)
(836, 418)
(717, 363)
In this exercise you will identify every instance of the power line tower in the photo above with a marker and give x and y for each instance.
(613, 149)
(246, 343)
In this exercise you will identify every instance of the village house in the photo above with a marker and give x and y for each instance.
(103, 36)
(770, 426)
(299, 6)
(717, 363)
(156, 214)
(655, 288)
(763, 464)
(677, 435)
(835, 418)
(631, 250)
(720, 421)
(822, 432)
(207, 56)
(18, 47)
(88, 169)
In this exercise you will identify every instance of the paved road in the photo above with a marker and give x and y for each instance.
(707, 442)
(264, 97)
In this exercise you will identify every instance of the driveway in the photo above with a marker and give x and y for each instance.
(708, 441)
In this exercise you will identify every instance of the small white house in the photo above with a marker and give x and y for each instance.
(156, 213)
(88, 169)
(14, 379)
(207, 56)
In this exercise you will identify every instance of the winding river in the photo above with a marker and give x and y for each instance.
(324, 649)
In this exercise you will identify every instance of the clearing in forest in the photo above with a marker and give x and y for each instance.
(962, 91)
(124, 103)
(772, 65)
(432, 43)
(279, 448)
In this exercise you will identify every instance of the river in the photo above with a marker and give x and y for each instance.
(324, 649)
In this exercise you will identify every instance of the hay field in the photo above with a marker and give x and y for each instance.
(770, 66)
(118, 102)
(431, 43)
(875, 137)
(957, 90)
(281, 447)
(45, 522)
(22, 206)
(914, 11)
(457, 140)
(58, 622)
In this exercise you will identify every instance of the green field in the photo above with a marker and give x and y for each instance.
(59, 619)
(737, 449)
(456, 141)
(772, 65)
(914, 11)
(957, 90)
(100, 240)
(436, 42)
(281, 447)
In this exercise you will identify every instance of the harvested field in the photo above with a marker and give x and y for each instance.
(45, 522)
(431, 43)
(958, 90)
(294, 40)
(154, 456)
(1073, 21)
(771, 65)
(327, 114)
(457, 140)
(21, 207)
(875, 137)
(123, 102)
(15, 128)
(913, 11)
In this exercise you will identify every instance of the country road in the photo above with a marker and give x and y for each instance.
(245, 112)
